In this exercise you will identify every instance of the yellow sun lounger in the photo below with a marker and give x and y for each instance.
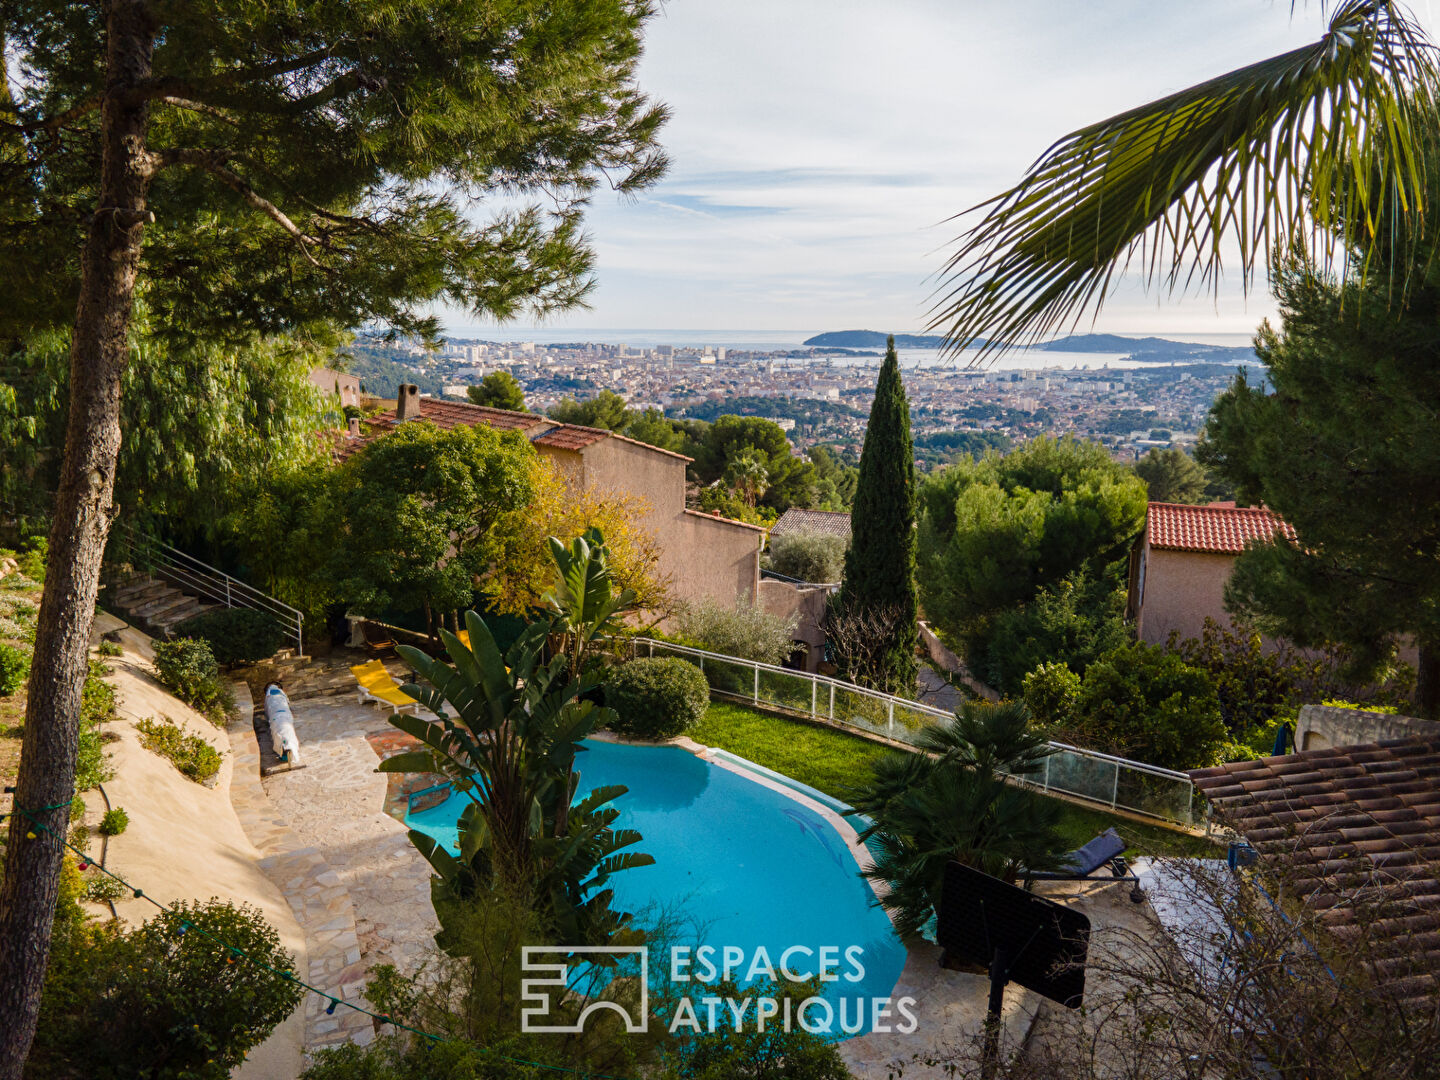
(378, 685)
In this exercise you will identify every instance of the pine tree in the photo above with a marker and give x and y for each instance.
(879, 581)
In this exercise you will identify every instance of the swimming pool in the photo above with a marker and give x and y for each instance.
(752, 868)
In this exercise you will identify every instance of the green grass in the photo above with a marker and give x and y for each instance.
(835, 762)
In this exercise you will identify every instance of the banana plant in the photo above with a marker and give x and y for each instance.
(506, 731)
(583, 604)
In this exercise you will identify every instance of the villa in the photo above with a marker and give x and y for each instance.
(703, 555)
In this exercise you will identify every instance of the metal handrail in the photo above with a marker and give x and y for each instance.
(208, 581)
(890, 702)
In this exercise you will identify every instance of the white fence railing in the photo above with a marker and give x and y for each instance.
(1085, 774)
(143, 552)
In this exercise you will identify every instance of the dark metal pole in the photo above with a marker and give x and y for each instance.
(999, 976)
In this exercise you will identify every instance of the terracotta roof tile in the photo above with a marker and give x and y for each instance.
(570, 437)
(1349, 822)
(1223, 530)
(824, 522)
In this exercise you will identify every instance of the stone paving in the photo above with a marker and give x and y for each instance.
(358, 889)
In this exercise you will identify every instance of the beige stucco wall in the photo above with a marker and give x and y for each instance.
(1181, 590)
(805, 606)
(701, 556)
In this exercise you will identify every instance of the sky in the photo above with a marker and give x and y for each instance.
(819, 146)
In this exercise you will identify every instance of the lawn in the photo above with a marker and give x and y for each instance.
(835, 762)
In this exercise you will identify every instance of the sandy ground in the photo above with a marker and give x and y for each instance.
(184, 841)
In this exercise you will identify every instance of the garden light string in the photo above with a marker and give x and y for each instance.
(235, 952)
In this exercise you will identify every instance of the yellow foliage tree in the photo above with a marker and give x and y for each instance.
(523, 570)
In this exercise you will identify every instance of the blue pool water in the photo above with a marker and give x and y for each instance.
(749, 867)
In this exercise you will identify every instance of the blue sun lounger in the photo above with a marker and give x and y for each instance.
(1105, 850)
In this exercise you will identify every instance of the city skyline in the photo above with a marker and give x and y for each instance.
(818, 148)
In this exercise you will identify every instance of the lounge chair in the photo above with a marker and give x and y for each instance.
(1104, 851)
(377, 638)
(378, 685)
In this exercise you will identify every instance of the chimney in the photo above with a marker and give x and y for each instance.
(354, 427)
(407, 403)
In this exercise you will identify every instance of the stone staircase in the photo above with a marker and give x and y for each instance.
(153, 603)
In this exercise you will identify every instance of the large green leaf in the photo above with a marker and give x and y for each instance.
(1250, 159)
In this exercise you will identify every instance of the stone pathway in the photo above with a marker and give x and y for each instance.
(336, 804)
(356, 885)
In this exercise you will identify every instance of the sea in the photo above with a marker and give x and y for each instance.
(776, 340)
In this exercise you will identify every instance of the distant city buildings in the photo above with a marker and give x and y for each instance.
(828, 396)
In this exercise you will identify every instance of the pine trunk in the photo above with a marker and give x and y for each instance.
(1427, 681)
(82, 513)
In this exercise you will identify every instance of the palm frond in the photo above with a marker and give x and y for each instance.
(1256, 157)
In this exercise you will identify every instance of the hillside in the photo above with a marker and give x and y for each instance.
(1146, 350)
(381, 369)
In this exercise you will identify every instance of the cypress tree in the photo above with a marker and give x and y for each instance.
(879, 575)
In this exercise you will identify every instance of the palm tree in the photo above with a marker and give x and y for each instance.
(506, 733)
(952, 802)
(1261, 157)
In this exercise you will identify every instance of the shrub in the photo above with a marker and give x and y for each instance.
(1077, 620)
(32, 563)
(97, 704)
(187, 667)
(808, 556)
(1145, 703)
(192, 755)
(114, 822)
(657, 698)
(1052, 691)
(749, 632)
(80, 837)
(778, 1052)
(101, 888)
(235, 635)
(14, 669)
(77, 808)
(160, 1003)
(109, 648)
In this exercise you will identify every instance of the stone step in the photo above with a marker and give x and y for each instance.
(176, 615)
(138, 591)
(159, 602)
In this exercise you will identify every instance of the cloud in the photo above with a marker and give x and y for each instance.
(822, 147)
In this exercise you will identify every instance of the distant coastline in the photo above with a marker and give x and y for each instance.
(1144, 350)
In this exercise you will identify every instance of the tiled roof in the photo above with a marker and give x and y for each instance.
(708, 516)
(451, 414)
(1344, 819)
(1222, 529)
(570, 437)
(824, 522)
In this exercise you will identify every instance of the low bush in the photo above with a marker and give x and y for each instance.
(657, 698)
(746, 631)
(97, 705)
(32, 562)
(158, 1002)
(109, 648)
(80, 837)
(808, 556)
(1144, 703)
(192, 755)
(1052, 691)
(77, 808)
(101, 888)
(14, 669)
(187, 667)
(235, 635)
(114, 822)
